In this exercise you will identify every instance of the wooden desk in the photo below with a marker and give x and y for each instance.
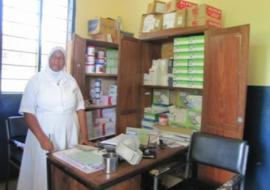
(62, 176)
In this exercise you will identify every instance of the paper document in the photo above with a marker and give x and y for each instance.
(115, 140)
(86, 161)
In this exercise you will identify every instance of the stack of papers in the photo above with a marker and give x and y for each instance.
(175, 139)
(115, 140)
(86, 161)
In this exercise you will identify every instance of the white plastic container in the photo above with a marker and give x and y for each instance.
(91, 59)
(91, 50)
(90, 68)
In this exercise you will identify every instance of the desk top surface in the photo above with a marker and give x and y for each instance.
(100, 179)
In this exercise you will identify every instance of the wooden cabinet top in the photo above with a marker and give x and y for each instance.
(170, 33)
(101, 43)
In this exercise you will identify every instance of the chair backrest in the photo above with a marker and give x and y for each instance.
(226, 153)
(16, 127)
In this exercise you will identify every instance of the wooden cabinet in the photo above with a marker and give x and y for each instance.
(95, 86)
(225, 75)
(127, 78)
(225, 80)
(224, 88)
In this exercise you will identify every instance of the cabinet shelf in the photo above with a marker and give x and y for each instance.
(169, 33)
(102, 44)
(93, 107)
(170, 88)
(101, 75)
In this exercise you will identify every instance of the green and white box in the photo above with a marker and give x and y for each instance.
(161, 97)
(180, 69)
(189, 55)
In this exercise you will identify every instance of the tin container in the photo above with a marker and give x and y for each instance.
(111, 162)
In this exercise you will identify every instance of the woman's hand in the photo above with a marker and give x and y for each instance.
(84, 141)
(34, 126)
(46, 144)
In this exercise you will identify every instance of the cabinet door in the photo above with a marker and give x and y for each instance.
(78, 62)
(224, 94)
(129, 80)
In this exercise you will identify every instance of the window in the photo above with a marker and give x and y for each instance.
(30, 28)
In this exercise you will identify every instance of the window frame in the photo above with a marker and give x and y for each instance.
(70, 31)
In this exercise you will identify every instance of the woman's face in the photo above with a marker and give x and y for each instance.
(57, 61)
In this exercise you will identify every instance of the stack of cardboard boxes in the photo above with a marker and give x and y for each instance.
(177, 14)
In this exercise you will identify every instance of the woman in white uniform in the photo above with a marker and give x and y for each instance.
(53, 108)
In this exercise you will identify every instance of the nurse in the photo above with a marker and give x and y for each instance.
(53, 107)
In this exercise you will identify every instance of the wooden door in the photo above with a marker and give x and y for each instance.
(77, 57)
(129, 80)
(224, 94)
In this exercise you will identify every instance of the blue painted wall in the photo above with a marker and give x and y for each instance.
(257, 133)
(9, 105)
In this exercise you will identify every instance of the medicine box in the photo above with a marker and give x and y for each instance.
(156, 7)
(151, 22)
(174, 19)
(188, 48)
(189, 55)
(180, 69)
(204, 11)
(198, 39)
(161, 97)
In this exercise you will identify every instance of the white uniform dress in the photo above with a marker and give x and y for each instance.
(54, 103)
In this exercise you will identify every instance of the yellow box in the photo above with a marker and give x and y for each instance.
(101, 26)
(151, 23)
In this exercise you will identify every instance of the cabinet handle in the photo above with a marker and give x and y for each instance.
(147, 93)
(240, 120)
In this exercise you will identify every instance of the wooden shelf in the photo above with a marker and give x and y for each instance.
(101, 75)
(169, 87)
(93, 107)
(101, 44)
(170, 33)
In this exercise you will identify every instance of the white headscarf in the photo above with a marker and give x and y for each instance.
(57, 76)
